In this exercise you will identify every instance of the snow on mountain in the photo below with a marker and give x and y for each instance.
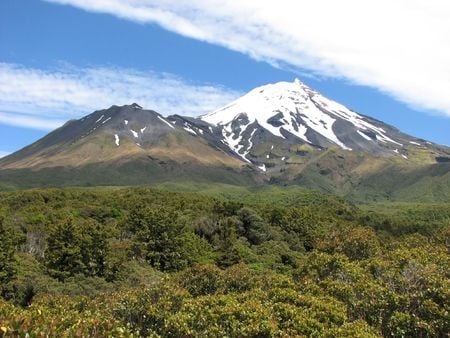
(294, 108)
(280, 133)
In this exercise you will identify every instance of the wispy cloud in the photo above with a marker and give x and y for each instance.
(44, 99)
(29, 121)
(399, 47)
(4, 153)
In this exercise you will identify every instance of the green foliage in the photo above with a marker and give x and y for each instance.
(201, 280)
(60, 317)
(356, 243)
(400, 293)
(227, 242)
(150, 262)
(7, 259)
(360, 243)
(252, 226)
(76, 248)
(196, 249)
(159, 234)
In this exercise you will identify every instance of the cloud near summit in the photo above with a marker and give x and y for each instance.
(398, 47)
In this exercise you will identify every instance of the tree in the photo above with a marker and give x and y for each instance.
(64, 257)
(299, 225)
(7, 260)
(196, 249)
(75, 247)
(94, 244)
(360, 243)
(252, 226)
(160, 234)
(226, 239)
(227, 208)
(201, 280)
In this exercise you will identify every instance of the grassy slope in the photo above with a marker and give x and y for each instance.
(177, 162)
(360, 177)
(427, 184)
(140, 172)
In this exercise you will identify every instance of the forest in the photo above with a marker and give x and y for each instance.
(129, 262)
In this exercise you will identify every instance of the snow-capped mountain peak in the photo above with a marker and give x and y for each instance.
(292, 109)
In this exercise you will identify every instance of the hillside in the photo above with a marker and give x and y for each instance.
(284, 134)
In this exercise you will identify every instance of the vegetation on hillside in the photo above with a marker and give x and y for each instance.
(151, 262)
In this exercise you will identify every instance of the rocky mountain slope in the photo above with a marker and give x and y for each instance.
(289, 114)
(121, 145)
(284, 133)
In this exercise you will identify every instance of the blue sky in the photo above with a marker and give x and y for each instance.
(62, 59)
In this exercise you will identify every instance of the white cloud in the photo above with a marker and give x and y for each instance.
(400, 47)
(44, 99)
(25, 120)
(4, 153)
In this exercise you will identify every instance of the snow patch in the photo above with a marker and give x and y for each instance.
(250, 145)
(364, 135)
(188, 128)
(117, 140)
(234, 140)
(101, 117)
(388, 139)
(109, 118)
(263, 167)
(143, 129)
(380, 139)
(415, 143)
(405, 157)
(126, 122)
(283, 158)
(135, 134)
(163, 120)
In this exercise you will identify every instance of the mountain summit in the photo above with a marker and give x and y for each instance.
(295, 113)
(279, 133)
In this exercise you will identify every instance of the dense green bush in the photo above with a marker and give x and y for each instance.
(148, 262)
(158, 237)
(76, 248)
(7, 259)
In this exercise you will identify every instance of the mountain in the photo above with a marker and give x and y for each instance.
(293, 113)
(282, 133)
(121, 146)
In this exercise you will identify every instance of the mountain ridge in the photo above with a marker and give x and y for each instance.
(283, 133)
(297, 109)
